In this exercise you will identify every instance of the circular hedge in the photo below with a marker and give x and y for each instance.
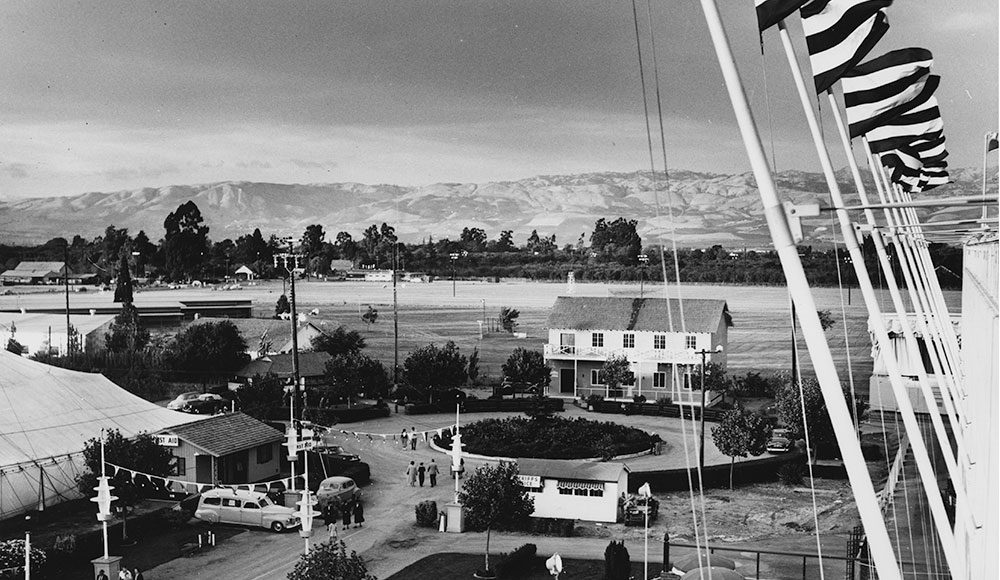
(555, 438)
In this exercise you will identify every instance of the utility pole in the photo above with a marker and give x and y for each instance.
(701, 448)
(643, 259)
(66, 289)
(395, 319)
(454, 258)
(290, 256)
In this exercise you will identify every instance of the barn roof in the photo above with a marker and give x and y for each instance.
(650, 314)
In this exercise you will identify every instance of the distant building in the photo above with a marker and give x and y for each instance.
(34, 273)
(575, 490)
(267, 336)
(312, 368)
(245, 272)
(38, 332)
(585, 331)
(881, 396)
(230, 448)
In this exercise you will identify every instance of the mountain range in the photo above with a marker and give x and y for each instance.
(707, 208)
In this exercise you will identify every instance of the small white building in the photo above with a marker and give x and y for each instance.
(39, 332)
(246, 272)
(576, 490)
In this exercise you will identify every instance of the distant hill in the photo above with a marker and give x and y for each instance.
(708, 208)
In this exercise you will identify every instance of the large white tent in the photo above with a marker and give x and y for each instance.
(46, 416)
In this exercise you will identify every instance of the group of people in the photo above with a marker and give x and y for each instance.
(416, 473)
(123, 574)
(346, 512)
(409, 438)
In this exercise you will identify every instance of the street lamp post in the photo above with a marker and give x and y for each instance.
(701, 447)
(643, 259)
(454, 258)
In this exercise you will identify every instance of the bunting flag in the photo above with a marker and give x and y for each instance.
(883, 88)
(840, 34)
(168, 482)
(921, 123)
(992, 142)
(771, 12)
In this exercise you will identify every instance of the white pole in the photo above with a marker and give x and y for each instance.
(924, 466)
(27, 553)
(645, 547)
(104, 521)
(900, 308)
(819, 350)
(306, 495)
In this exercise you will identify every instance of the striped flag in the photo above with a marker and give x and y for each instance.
(992, 142)
(839, 34)
(918, 124)
(771, 12)
(885, 87)
(931, 149)
(904, 166)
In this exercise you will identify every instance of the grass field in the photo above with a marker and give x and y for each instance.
(428, 312)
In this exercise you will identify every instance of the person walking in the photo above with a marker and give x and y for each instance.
(124, 574)
(413, 438)
(345, 513)
(411, 473)
(432, 472)
(136, 574)
(101, 575)
(359, 512)
(404, 437)
(420, 473)
(330, 517)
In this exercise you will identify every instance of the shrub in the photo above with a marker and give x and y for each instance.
(790, 474)
(556, 438)
(12, 555)
(518, 563)
(639, 399)
(593, 399)
(664, 401)
(427, 513)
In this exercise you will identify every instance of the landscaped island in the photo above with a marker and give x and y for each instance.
(550, 438)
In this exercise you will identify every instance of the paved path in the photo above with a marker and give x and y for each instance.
(390, 540)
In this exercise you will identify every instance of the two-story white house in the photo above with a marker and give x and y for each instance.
(585, 331)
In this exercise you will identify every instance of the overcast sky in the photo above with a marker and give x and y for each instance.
(108, 95)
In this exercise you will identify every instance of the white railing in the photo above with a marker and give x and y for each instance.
(888, 491)
(602, 353)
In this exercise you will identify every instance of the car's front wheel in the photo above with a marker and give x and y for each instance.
(277, 527)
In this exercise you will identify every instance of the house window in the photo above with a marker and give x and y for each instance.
(597, 339)
(659, 380)
(628, 340)
(688, 377)
(565, 491)
(690, 341)
(596, 377)
(178, 466)
(659, 341)
(596, 493)
(265, 453)
(582, 492)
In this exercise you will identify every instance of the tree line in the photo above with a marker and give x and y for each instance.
(612, 252)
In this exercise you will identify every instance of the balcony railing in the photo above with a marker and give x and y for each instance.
(602, 353)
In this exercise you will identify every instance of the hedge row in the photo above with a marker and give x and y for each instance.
(653, 409)
(333, 415)
(484, 406)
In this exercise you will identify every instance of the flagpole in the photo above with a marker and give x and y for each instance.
(926, 470)
(819, 350)
(986, 153)
(918, 305)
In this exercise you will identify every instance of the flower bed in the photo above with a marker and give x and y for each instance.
(556, 438)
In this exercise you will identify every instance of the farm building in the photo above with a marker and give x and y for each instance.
(40, 332)
(34, 273)
(46, 416)
(583, 332)
(580, 490)
(244, 272)
(266, 336)
(229, 448)
(312, 368)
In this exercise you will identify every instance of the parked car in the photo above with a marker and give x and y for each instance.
(335, 452)
(205, 406)
(337, 489)
(248, 508)
(780, 441)
(183, 399)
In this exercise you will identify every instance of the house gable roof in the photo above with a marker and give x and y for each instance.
(224, 434)
(567, 469)
(642, 314)
(311, 364)
(35, 269)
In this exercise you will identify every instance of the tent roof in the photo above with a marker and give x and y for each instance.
(46, 411)
(615, 313)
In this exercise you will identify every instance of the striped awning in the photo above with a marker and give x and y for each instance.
(530, 480)
(569, 484)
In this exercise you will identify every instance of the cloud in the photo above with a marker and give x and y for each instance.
(305, 164)
(138, 173)
(254, 164)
